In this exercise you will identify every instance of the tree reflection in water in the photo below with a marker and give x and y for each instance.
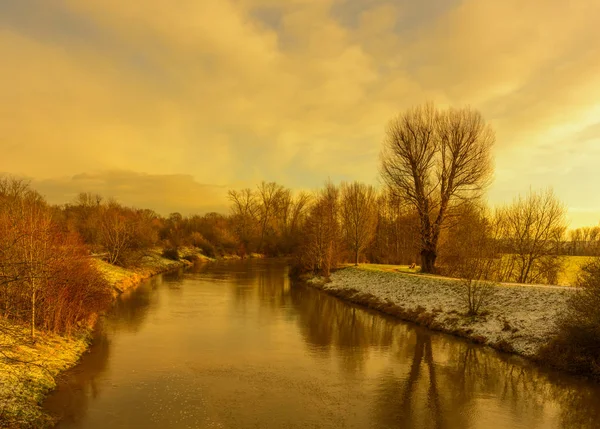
(331, 325)
(438, 381)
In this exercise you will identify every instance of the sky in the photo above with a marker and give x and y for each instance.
(167, 104)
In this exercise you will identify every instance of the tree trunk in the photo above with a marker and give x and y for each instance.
(356, 258)
(33, 315)
(428, 257)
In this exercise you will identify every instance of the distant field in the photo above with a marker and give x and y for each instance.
(572, 266)
(568, 277)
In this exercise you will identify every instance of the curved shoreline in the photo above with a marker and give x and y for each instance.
(519, 320)
(23, 387)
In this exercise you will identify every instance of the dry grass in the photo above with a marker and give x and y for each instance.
(567, 277)
(28, 371)
(150, 265)
(388, 268)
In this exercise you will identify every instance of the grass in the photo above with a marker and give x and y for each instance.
(154, 263)
(28, 370)
(388, 268)
(567, 277)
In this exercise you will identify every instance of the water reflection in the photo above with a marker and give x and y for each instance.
(78, 387)
(131, 308)
(329, 325)
(247, 348)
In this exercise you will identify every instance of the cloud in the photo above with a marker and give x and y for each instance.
(244, 90)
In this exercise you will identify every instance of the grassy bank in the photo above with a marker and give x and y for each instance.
(520, 319)
(122, 279)
(571, 267)
(28, 370)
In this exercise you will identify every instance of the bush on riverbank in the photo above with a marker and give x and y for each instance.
(576, 348)
(46, 276)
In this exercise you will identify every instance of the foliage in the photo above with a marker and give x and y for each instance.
(577, 346)
(171, 253)
(46, 277)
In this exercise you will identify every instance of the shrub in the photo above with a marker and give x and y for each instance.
(205, 246)
(577, 346)
(47, 278)
(171, 253)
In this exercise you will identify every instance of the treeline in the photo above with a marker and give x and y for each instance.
(524, 241)
(435, 166)
(45, 250)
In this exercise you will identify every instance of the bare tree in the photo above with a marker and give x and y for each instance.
(244, 210)
(533, 227)
(320, 249)
(476, 258)
(46, 277)
(116, 235)
(269, 195)
(396, 238)
(358, 215)
(585, 241)
(300, 206)
(435, 159)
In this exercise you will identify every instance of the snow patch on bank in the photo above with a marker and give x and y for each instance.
(520, 318)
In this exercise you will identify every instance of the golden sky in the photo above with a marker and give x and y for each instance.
(166, 104)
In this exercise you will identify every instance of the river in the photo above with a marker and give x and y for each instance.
(238, 345)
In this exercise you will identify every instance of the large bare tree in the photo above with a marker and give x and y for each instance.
(435, 159)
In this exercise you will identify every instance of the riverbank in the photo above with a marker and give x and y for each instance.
(122, 279)
(519, 319)
(28, 371)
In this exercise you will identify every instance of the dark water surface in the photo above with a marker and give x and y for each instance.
(237, 345)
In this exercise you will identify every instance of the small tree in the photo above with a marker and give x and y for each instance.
(532, 228)
(319, 252)
(475, 258)
(116, 233)
(244, 212)
(434, 160)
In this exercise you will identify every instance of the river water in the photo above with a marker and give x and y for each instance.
(237, 345)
